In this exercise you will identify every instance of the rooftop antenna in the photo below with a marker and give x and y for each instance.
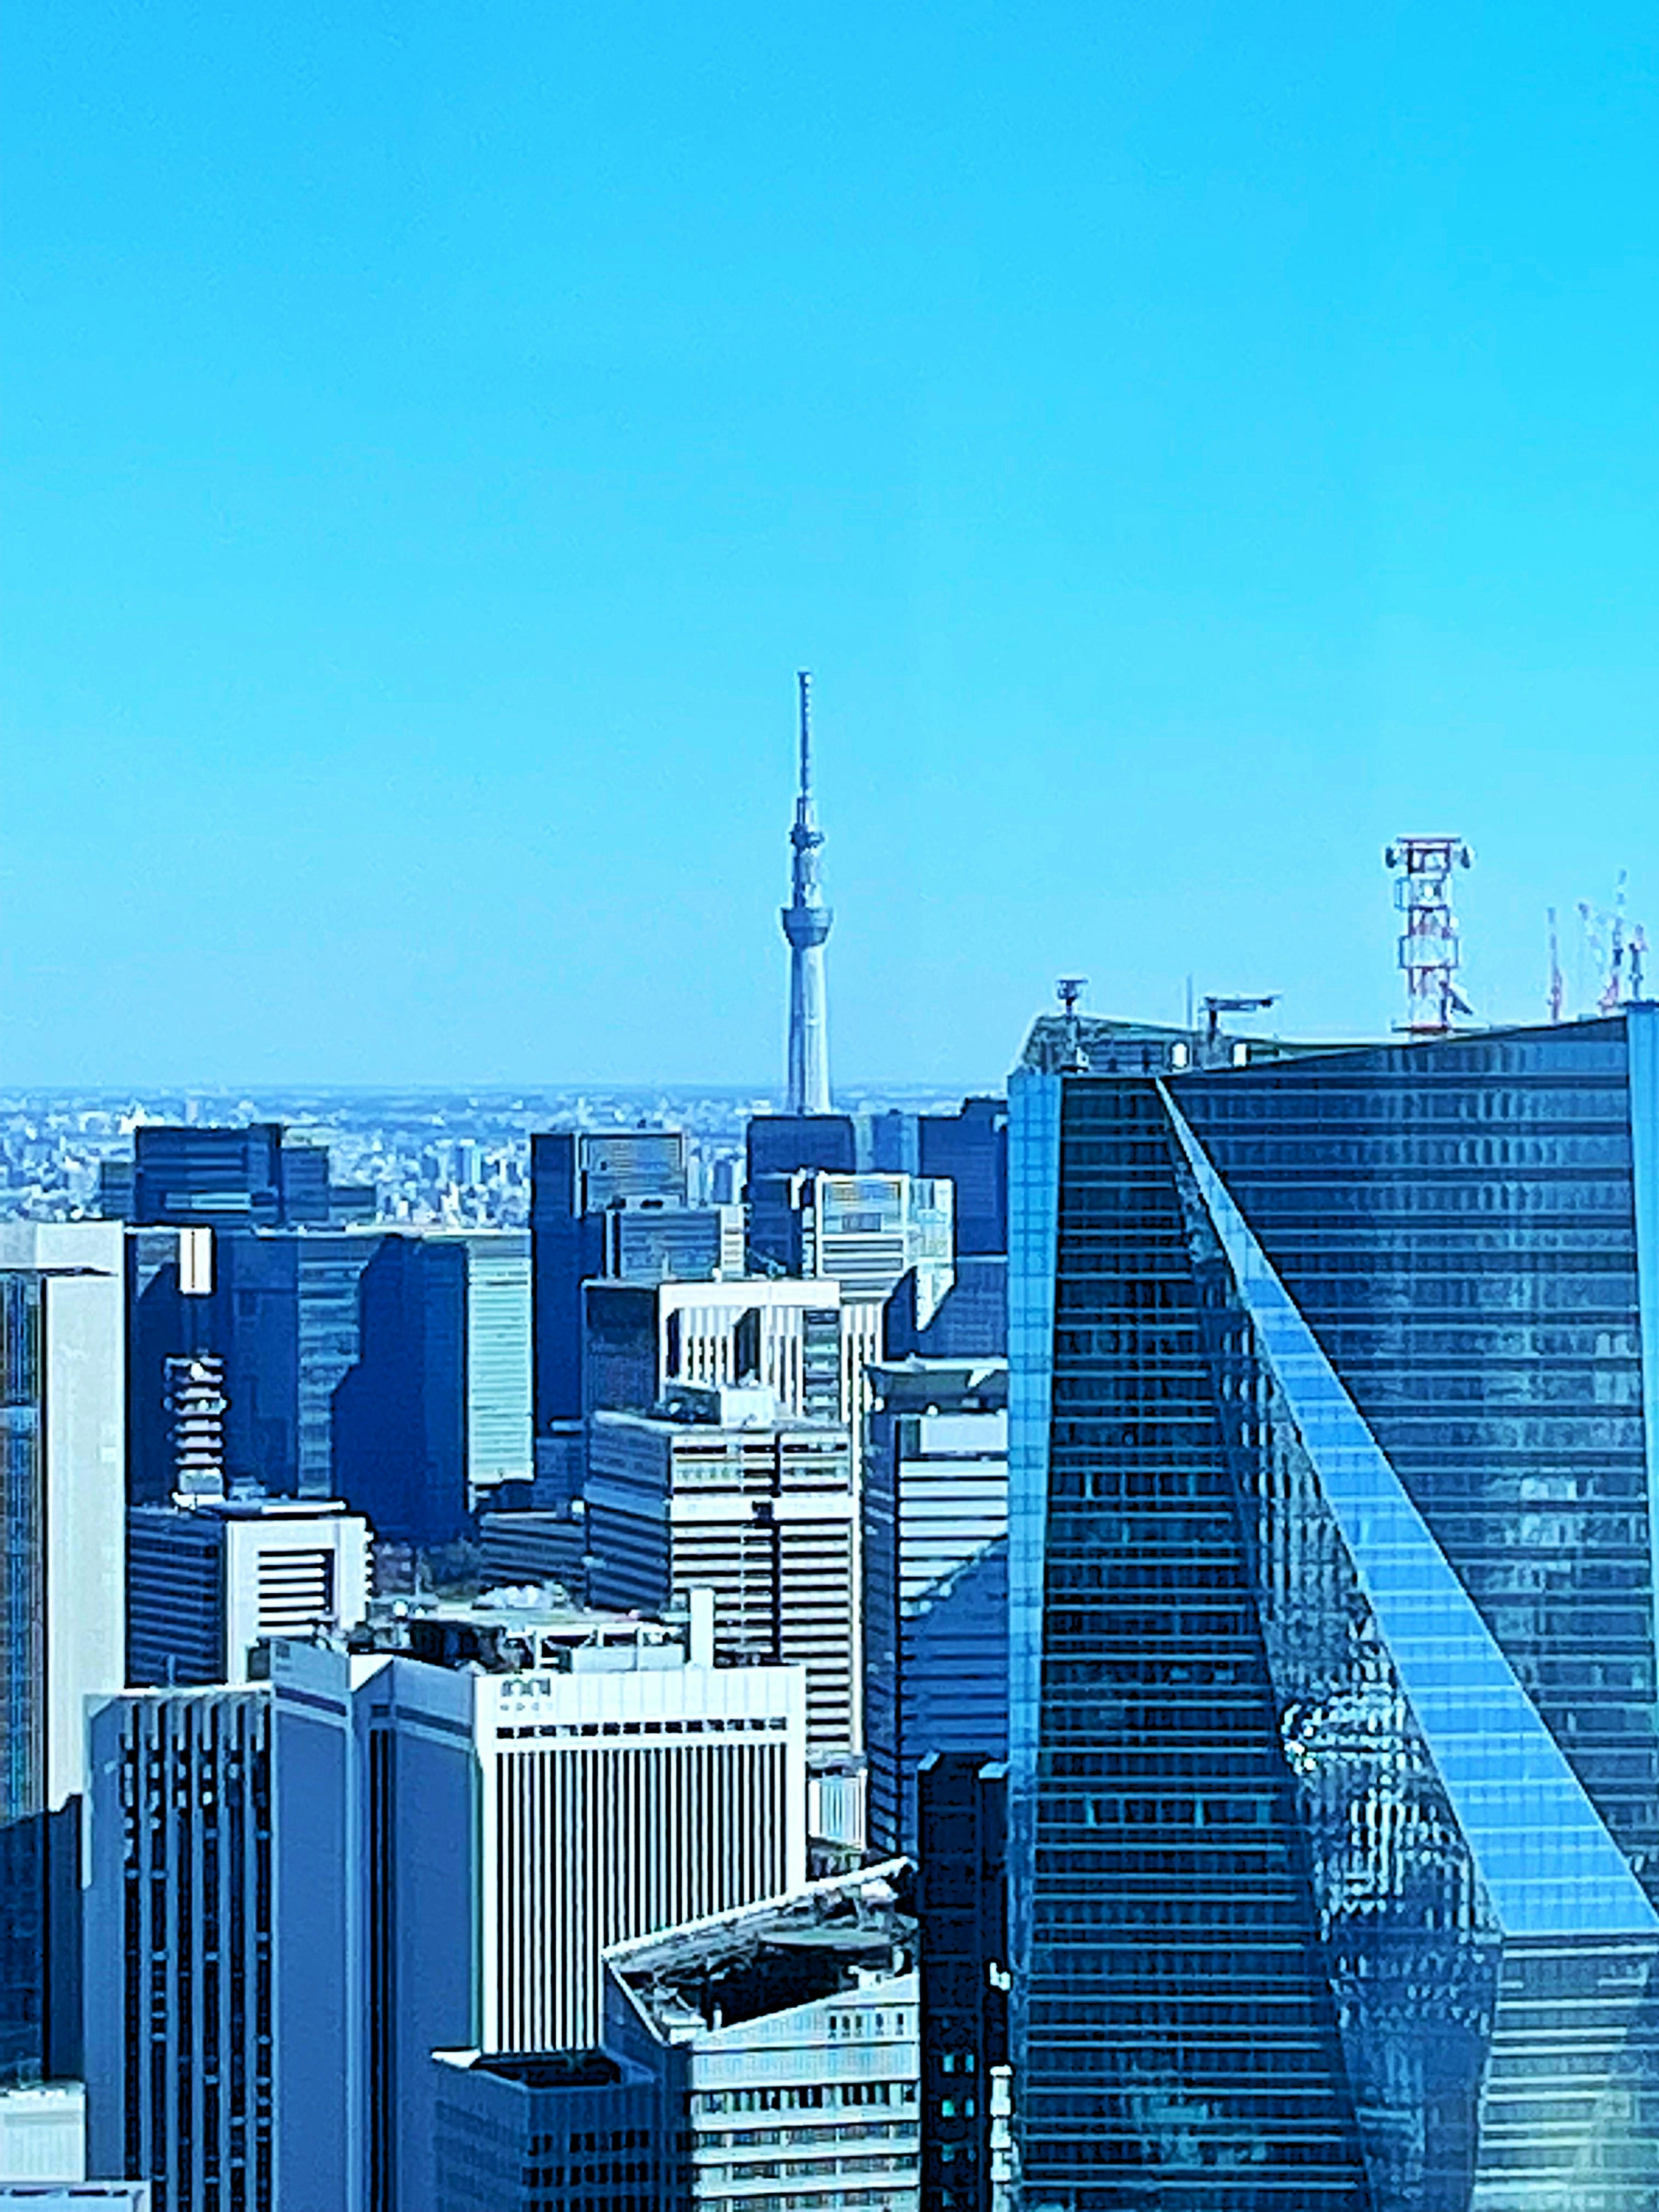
(1430, 950)
(1612, 989)
(1069, 990)
(1615, 948)
(1558, 989)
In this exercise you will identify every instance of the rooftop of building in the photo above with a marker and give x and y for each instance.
(719, 1407)
(530, 1626)
(1096, 1044)
(827, 1939)
(248, 1507)
(917, 1383)
(541, 2069)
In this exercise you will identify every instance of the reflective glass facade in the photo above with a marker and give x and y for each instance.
(1335, 1762)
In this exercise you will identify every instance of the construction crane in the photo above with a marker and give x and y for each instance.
(1557, 991)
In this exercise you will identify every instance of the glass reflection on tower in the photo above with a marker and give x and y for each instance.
(1335, 1771)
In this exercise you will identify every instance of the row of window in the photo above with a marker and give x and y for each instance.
(809, 2096)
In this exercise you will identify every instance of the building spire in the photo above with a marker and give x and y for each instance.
(806, 922)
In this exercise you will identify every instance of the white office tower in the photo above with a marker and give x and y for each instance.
(639, 1341)
(225, 2019)
(722, 1490)
(788, 2036)
(641, 1786)
(498, 1352)
(62, 1631)
(205, 1582)
(64, 1396)
(866, 1232)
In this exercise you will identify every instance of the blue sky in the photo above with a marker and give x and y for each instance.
(1190, 444)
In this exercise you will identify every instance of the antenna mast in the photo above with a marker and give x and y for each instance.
(1430, 951)
(806, 922)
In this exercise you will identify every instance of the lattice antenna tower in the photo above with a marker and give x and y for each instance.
(1615, 948)
(1430, 950)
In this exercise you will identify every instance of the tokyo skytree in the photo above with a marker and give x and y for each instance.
(806, 922)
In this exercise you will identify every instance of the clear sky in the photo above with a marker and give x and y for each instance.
(1190, 444)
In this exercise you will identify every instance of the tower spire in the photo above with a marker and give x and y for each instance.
(806, 922)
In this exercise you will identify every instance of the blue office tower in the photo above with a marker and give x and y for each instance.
(1334, 1439)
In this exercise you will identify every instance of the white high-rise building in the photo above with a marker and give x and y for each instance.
(65, 1388)
(789, 2035)
(498, 1352)
(644, 1786)
(63, 1480)
(366, 1856)
(724, 1492)
(780, 1332)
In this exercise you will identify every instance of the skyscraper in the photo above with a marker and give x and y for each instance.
(778, 1148)
(935, 1517)
(806, 922)
(962, 1909)
(575, 1175)
(205, 1582)
(524, 2131)
(498, 1354)
(786, 2036)
(63, 1514)
(1335, 1758)
(256, 1177)
(721, 1490)
(227, 2019)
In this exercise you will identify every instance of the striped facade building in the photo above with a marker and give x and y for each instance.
(617, 1802)
(301, 1887)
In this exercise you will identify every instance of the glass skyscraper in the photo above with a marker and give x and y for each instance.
(1334, 1436)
